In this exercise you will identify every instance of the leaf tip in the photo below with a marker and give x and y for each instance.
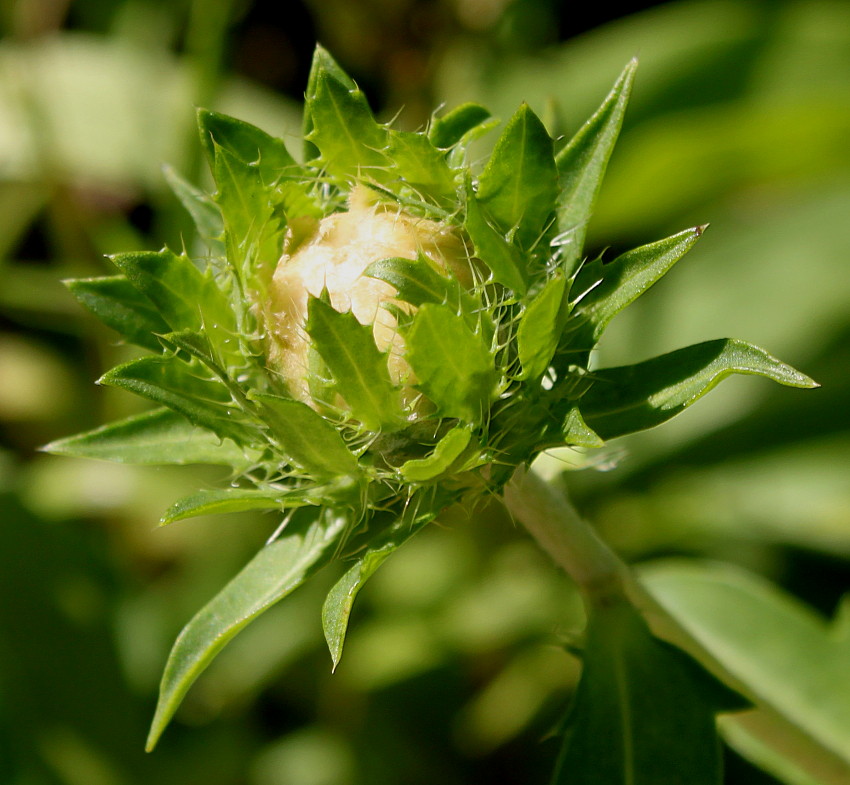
(698, 230)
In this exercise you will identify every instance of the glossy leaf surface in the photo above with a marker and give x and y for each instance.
(218, 501)
(274, 572)
(445, 453)
(157, 437)
(540, 329)
(635, 397)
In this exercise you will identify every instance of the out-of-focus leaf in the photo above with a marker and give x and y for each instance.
(520, 182)
(217, 501)
(644, 711)
(493, 249)
(635, 397)
(185, 297)
(449, 129)
(169, 382)
(540, 329)
(250, 144)
(582, 165)
(277, 570)
(576, 431)
(200, 206)
(623, 280)
(789, 660)
(453, 364)
(157, 437)
(445, 453)
(121, 306)
(358, 367)
(306, 437)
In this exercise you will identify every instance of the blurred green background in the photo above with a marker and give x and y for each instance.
(454, 671)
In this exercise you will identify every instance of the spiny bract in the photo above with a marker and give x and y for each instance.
(377, 333)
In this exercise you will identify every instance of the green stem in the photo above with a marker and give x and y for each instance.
(601, 575)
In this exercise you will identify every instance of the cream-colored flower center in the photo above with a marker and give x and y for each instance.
(333, 256)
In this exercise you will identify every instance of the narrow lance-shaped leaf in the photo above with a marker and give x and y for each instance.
(502, 257)
(644, 712)
(169, 381)
(540, 329)
(219, 501)
(121, 306)
(252, 145)
(520, 182)
(358, 367)
(340, 599)
(157, 437)
(623, 280)
(345, 132)
(453, 364)
(307, 438)
(582, 165)
(635, 397)
(278, 569)
(792, 663)
(201, 207)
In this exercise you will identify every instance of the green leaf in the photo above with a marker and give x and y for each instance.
(417, 283)
(358, 367)
(185, 297)
(788, 659)
(157, 437)
(253, 233)
(582, 165)
(420, 165)
(635, 397)
(623, 280)
(119, 305)
(448, 130)
(445, 453)
(217, 501)
(201, 207)
(170, 382)
(322, 63)
(644, 711)
(251, 145)
(307, 438)
(453, 364)
(519, 185)
(502, 257)
(540, 329)
(345, 132)
(336, 610)
(576, 431)
(278, 569)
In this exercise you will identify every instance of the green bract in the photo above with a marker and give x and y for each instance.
(378, 333)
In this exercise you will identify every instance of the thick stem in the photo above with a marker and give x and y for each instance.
(571, 542)
(601, 575)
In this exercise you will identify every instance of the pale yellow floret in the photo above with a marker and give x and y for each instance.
(332, 254)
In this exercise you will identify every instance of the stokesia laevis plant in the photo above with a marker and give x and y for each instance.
(386, 330)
